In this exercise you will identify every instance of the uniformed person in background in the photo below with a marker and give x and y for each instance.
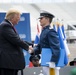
(48, 38)
(73, 63)
(34, 59)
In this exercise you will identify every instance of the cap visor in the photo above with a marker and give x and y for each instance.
(40, 17)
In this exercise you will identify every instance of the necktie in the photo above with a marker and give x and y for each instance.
(14, 29)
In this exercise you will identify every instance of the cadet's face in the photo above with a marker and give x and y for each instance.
(43, 21)
(16, 19)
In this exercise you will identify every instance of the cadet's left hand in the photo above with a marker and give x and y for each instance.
(52, 64)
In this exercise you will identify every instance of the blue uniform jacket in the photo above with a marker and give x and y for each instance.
(49, 39)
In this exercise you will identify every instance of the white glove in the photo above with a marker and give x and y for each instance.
(30, 49)
(52, 64)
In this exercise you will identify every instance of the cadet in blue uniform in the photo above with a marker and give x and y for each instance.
(49, 37)
(48, 40)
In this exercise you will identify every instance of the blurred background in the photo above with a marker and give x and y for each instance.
(64, 11)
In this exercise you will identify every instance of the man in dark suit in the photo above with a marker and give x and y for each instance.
(11, 54)
(48, 38)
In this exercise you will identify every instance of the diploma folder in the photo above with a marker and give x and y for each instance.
(46, 56)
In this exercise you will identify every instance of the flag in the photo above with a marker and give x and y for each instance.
(65, 42)
(37, 36)
(62, 46)
(62, 27)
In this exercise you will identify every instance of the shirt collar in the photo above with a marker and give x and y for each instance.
(46, 26)
(10, 22)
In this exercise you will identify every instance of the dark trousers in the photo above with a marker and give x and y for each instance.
(8, 72)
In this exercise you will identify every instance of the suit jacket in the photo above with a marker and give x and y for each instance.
(11, 54)
(49, 39)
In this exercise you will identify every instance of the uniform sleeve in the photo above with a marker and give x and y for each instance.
(54, 45)
(37, 49)
(13, 38)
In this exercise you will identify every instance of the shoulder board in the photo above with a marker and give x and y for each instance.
(50, 27)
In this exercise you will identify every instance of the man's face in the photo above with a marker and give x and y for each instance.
(43, 21)
(16, 19)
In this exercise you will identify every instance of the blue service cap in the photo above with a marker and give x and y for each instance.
(46, 14)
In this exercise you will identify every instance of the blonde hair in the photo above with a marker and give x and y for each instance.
(11, 13)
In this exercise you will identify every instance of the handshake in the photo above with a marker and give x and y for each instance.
(31, 50)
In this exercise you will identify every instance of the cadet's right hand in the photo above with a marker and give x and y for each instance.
(30, 49)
